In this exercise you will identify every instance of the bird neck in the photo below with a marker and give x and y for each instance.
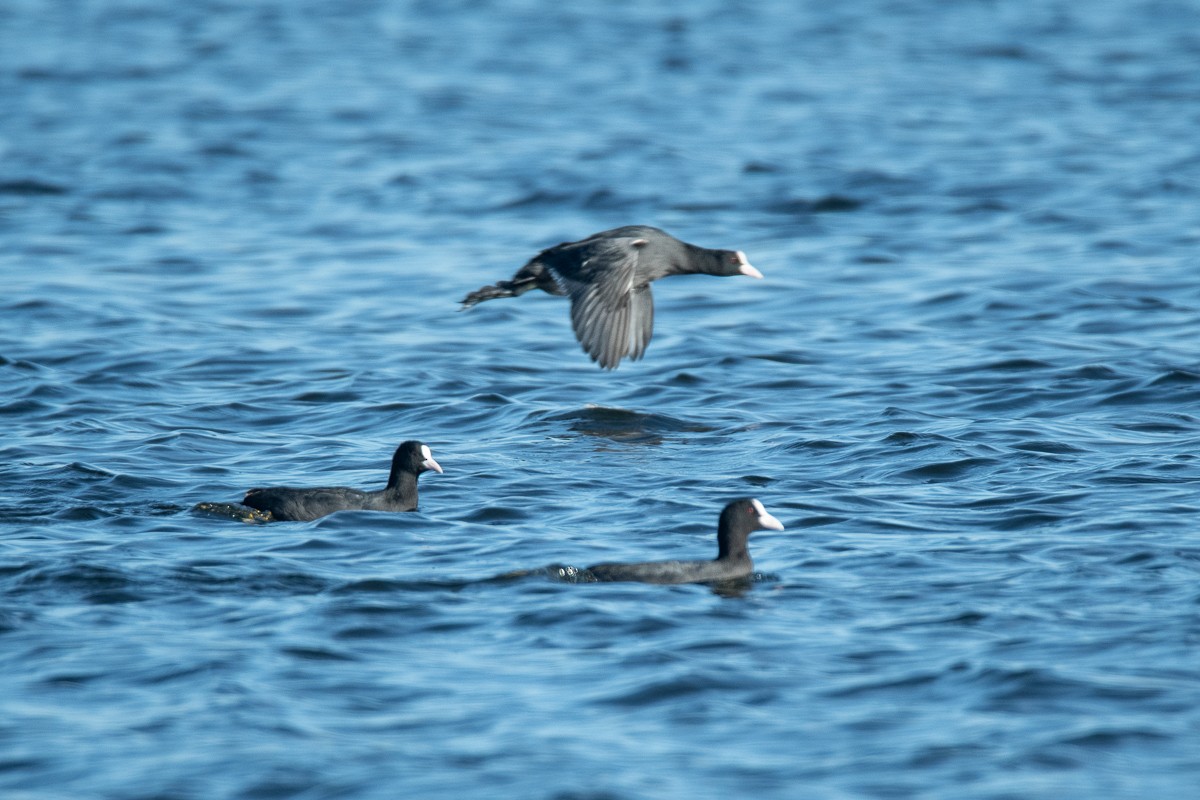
(732, 545)
(402, 484)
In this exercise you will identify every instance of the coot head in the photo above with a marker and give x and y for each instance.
(739, 519)
(730, 262)
(414, 457)
(748, 514)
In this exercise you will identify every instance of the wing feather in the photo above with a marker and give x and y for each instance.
(641, 321)
(611, 315)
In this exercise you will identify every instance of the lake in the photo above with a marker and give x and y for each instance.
(233, 238)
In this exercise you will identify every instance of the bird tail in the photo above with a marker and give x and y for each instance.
(511, 288)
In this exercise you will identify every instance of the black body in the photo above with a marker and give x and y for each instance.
(738, 520)
(608, 276)
(285, 503)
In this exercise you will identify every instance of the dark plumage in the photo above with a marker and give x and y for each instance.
(608, 276)
(285, 503)
(738, 520)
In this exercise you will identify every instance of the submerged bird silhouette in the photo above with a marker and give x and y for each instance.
(286, 503)
(608, 276)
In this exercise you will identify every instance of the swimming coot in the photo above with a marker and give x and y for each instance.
(738, 520)
(285, 503)
(607, 277)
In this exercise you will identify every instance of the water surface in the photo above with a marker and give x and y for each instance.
(232, 238)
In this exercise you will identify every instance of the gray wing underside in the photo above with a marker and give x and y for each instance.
(612, 315)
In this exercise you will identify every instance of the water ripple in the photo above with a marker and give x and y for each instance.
(232, 240)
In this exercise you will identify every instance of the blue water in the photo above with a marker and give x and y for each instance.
(232, 239)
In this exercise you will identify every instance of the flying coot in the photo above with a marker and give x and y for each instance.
(607, 277)
(738, 520)
(299, 505)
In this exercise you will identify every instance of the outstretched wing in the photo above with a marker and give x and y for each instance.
(612, 315)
